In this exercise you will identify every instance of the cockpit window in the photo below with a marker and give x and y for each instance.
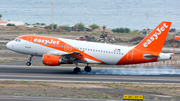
(17, 40)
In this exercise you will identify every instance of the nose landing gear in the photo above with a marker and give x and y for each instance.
(29, 63)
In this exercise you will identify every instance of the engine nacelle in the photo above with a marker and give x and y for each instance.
(52, 60)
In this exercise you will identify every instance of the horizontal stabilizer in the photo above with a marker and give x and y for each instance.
(149, 56)
(171, 54)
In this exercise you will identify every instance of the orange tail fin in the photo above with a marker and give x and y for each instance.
(155, 40)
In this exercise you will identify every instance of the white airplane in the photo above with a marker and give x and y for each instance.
(56, 51)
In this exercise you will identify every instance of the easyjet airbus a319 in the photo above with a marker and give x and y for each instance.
(56, 51)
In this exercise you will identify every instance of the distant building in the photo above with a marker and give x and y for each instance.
(73, 28)
(3, 23)
(18, 23)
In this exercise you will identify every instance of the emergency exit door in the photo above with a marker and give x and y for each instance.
(130, 55)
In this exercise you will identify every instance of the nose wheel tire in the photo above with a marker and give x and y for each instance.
(87, 69)
(77, 70)
(28, 63)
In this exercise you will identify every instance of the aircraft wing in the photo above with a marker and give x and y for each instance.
(60, 53)
(171, 54)
(75, 55)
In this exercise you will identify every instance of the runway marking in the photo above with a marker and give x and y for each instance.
(162, 96)
(67, 81)
(90, 78)
(170, 79)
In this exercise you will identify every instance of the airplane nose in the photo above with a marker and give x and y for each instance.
(9, 45)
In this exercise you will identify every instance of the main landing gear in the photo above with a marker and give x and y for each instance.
(77, 69)
(87, 68)
(29, 63)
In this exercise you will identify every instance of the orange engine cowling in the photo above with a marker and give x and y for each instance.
(51, 60)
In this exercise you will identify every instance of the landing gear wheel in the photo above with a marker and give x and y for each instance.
(28, 63)
(77, 70)
(87, 69)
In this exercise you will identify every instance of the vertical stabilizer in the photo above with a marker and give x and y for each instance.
(155, 40)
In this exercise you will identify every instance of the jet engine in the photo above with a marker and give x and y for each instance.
(52, 60)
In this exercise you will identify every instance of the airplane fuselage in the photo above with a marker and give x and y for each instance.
(94, 53)
(56, 51)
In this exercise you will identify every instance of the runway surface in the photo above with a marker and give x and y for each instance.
(30, 98)
(65, 74)
(98, 74)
